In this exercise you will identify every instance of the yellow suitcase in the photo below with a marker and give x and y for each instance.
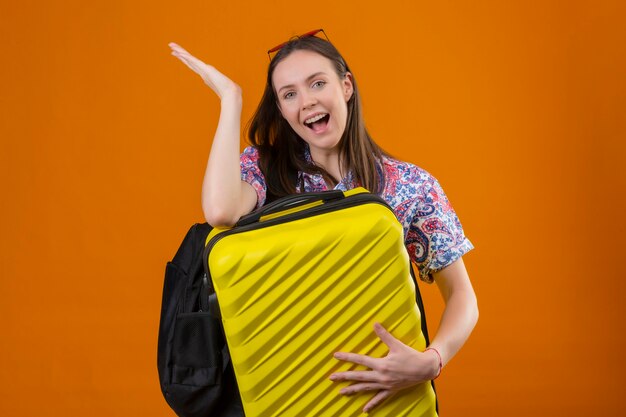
(307, 276)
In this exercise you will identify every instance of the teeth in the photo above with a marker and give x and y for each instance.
(314, 118)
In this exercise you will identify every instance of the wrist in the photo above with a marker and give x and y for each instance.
(436, 361)
(232, 93)
(231, 99)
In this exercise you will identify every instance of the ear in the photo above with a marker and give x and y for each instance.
(348, 86)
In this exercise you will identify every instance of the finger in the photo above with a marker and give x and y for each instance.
(378, 398)
(191, 62)
(184, 55)
(184, 61)
(368, 376)
(386, 337)
(181, 53)
(177, 47)
(362, 387)
(356, 358)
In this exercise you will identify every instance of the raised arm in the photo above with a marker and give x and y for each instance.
(225, 197)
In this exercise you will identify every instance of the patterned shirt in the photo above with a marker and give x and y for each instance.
(433, 234)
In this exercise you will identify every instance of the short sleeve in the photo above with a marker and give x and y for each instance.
(251, 173)
(435, 238)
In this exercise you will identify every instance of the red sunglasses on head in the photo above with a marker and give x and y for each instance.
(304, 35)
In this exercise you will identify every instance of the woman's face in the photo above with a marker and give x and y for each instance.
(313, 99)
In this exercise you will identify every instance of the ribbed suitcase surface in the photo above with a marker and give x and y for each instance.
(304, 283)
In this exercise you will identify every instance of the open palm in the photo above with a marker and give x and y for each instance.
(218, 82)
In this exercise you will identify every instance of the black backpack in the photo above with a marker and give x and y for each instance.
(195, 371)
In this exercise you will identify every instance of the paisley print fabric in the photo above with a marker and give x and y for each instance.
(433, 234)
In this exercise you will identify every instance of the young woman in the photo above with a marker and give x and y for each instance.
(308, 135)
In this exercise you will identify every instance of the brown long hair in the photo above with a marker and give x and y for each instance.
(281, 150)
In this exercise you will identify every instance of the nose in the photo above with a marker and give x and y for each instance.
(307, 100)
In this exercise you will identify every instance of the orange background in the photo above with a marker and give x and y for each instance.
(518, 108)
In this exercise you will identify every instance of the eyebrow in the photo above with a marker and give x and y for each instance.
(307, 79)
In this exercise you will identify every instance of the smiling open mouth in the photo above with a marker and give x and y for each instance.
(318, 123)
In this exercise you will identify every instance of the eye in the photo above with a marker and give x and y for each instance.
(319, 84)
(288, 95)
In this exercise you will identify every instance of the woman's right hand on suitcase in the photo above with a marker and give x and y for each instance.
(223, 86)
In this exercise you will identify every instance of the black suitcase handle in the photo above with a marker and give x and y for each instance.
(290, 201)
